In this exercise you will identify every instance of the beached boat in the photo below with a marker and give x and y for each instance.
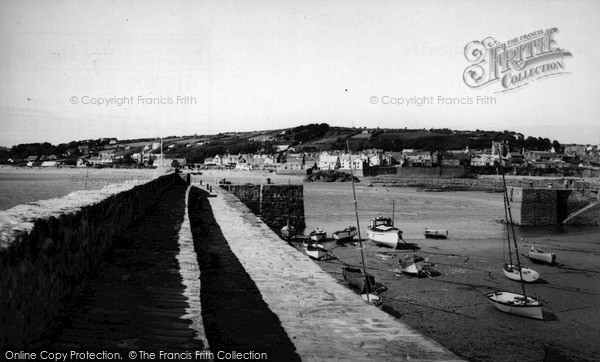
(288, 231)
(516, 304)
(318, 235)
(355, 277)
(383, 233)
(412, 265)
(519, 304)
(540, 256)
(316, 251)
(348, 233)
(436, 234)
(372, 299)
(512, 272)
(360, 279)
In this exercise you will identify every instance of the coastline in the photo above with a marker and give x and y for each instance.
(62, 170)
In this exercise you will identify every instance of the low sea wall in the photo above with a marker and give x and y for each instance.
(425, 177)
(48, 247)
(273, 203)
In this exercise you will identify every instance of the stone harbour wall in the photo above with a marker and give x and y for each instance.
(590, 217)
(537, 206)
(533, 206)
(273, 203)
(48, 247)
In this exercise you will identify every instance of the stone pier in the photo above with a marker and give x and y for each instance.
(275, 204)
(551, 206)
(169, 267)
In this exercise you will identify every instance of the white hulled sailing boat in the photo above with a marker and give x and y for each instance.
(509, 302)
(363, 283)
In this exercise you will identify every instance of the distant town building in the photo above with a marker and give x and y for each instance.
(327, 162)
(50, 164)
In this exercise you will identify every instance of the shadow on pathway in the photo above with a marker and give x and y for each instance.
(235, 316)
(134, 300)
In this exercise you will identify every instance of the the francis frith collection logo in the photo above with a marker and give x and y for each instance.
(516, 62)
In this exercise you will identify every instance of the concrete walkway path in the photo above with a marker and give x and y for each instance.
(322, 318)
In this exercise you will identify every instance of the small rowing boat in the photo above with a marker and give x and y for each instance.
(436, 234)
(288, 231)
(538, 255)
(347, 233)
(317, 235)
(356, 279)
(315, 251)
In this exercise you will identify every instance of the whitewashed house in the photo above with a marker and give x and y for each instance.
(329, 162)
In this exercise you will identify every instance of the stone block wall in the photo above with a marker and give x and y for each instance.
(590, 217)
(443, 171)
(48, 247)
(273, 203)
(537, 206)
(533, 206)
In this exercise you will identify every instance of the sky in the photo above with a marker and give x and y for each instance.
(74, 70)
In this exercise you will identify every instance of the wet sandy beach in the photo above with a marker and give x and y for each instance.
(451, 308)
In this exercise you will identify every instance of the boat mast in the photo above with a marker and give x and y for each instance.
(289, 208)
(512, 226)
(362, 254)
(507, 226)
(393, 209)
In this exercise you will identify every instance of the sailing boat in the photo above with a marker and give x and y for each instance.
(365, 282)
(511, 271)
(509, 302)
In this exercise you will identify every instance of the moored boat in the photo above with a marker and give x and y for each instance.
(383, 233)
(318, 234)
(372, 299)
(355, 277)
(436, 234)
(526, 274)
(509, 302)
(288, 231)
(412, 265)
(347, 233)
(516, 304)
(315, 251)
(540, 256)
